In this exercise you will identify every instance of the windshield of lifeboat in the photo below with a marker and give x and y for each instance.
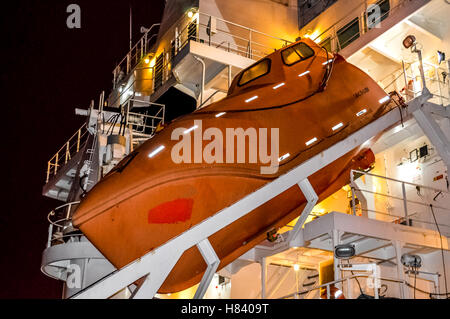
(273, 78)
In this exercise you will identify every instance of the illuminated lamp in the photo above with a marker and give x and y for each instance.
(147, 60)
(335, 293)
(344, 251)
(409, 41)
(414, 261)
(272, 235)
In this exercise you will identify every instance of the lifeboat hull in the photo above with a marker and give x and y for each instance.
(150, 199)
(127, 231)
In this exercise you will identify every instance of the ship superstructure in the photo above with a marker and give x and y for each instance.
(194, 54)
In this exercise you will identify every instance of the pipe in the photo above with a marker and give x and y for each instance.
(203, 78)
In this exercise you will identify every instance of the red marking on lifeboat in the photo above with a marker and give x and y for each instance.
(172, 212)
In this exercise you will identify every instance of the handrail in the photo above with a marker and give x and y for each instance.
(400, 181)
(441, 92)
(55, 210)
(247, 28)
(73, 145)
(143, 43)
(346, 279)
(352, 13)
(247, 48)
(58, 225)
(339, 21)
(404, 198)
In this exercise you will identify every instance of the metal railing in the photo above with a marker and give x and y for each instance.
(143, 126)
(398, 201)
(135, 55)
(348, 291)
(60, 219)
(226, 35)
(347, 281)
(332, 33)
(406, 78)
(229, 36)
(73, 145)
(407, 82)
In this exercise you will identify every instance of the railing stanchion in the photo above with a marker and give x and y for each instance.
(50, 233)
(49, 165)
(352, 187)
(67, 157)
(78, 140)
(56, 162)
(405, 204)
(69, 208)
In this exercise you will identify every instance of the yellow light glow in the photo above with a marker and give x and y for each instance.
(313, 36)
(147, 61)
(190, 14)
(296, 267)
(152, 63)
(408, 171)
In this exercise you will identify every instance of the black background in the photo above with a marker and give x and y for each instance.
(47, 70)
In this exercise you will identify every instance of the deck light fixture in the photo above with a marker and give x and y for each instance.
(346, 251)
(361, 112)
(279, 85)
(156, 151)
(190, 129)
(384, 99)
(337, 126)
(304, 73)
(251, 99)
(282, 158)
(311, 141)
(409, 41)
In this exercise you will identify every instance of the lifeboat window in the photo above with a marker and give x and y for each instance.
(299, 52)
(256, 71)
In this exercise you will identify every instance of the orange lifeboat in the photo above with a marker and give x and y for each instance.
(312, 97)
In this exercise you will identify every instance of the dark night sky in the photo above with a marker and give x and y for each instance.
(46, 71)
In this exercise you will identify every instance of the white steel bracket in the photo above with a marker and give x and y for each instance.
(422, 114)
(373, 280)
(311, 198)
(155, 278)
(212, 262)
